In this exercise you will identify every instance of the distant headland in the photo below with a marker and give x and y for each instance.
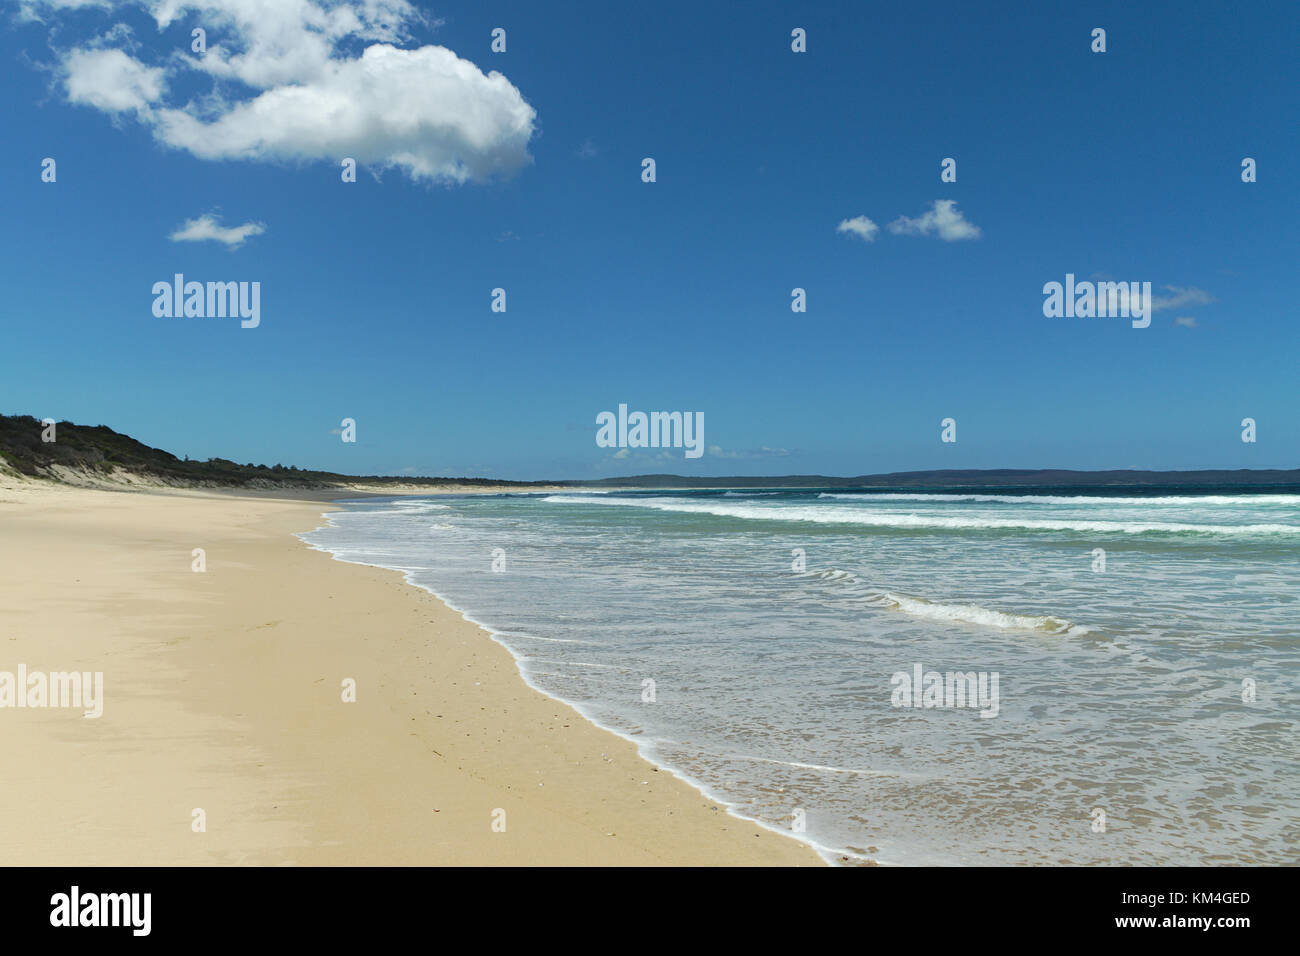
(81, 454)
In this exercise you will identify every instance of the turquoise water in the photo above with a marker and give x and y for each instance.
(1123, 693)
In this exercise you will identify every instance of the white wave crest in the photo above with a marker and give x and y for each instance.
(955, 613)
(845, 514)
(1166, 500)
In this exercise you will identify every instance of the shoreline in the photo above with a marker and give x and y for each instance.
(827, 855)
(222, 693)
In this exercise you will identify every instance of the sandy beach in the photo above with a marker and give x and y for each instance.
(223, 692)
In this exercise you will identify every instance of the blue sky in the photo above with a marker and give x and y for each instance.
(672, 295)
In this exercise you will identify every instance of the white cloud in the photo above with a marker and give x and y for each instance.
(266, 45)
(943, 220)
(426, 111)
(208, 228)
(859, 226)
(290, 85)
(111, 81)
(716, 451)
(640, 459)
(1182, 295)
(30, 10)
(1179, 296)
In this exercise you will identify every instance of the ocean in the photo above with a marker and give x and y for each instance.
(1131, 658)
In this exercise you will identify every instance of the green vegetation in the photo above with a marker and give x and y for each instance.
(100, 449)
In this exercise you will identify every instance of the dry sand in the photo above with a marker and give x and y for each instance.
(222, 691)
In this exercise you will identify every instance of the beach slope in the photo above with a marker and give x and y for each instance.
(225, 738)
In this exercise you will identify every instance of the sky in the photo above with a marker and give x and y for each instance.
(775, 170)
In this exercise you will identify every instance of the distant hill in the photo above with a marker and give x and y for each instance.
(86, 451)
(1002, 479)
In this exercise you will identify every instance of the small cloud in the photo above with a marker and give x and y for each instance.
(586, 150)
(336, 431)
(859, 226)
(764, 452)
(645, 457)
(942, 220)
(1186, 321)
(30, 10)
(1182, 295)
(208, 228)
(508, 236)
(112, 81)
